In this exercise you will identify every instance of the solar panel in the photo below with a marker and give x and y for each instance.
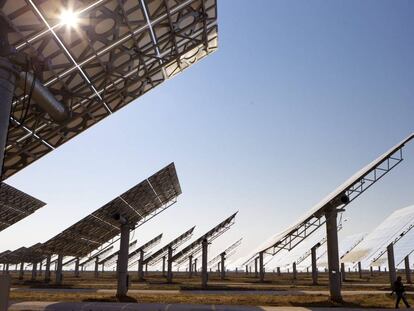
(229, 251)
(118, 51)
(371, 249)
(157, 256)
(147, 246)
(138, 205)
(15, 205)
(195, 247)
(24, 254)
(403, 248)
(351, 189)
(101, 254)
(113, 257)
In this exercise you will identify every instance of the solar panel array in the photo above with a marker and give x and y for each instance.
(118, 51)
(15, 205)
(23, 254)
(377, 241)
(138, 205)
(195, 247)
(157, 256)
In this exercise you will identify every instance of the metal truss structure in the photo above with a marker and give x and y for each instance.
(133, 257)
(195, 247)
(118, 51)
(157, 256)
(228, 252)
(352, 189)
(138, 205)
(15, 205)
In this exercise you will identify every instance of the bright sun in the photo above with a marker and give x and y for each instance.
(69, 18)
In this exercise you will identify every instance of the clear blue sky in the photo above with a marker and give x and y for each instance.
(299, 96)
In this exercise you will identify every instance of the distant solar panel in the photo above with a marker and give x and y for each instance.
(157, 256)
(403, 248)
(229, 251)
(118, 51)
(23, 254)
(374, 245)
(195, 247)
(112, 257)
(138, 205)
(15, 205)
(147, 246)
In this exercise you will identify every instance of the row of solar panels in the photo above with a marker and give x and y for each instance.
(368, 249)
(138, 205)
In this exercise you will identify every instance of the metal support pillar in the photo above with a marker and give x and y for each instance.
(295, 272)
(314, 266)
(47, 268)
(333, 256)
(96, 267)
(163, 266)
(21, 272)
(359, 270)
(261, 267)
(195, 266)
(256, 272)
(190, 266)
(247, 270)
(278, 271)
(5, 283)
(343, 275)
(407, 269)
(7, 268)
(122, 286)
(204, 274)
(391, 264)
(34, 271)
(169, 265)
(77, 267)
(59, 266)
(40, 268)
(371, 270)
(141, 265)
(223, 268)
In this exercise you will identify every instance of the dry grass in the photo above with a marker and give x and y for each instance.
(360, 301)
(234, 281)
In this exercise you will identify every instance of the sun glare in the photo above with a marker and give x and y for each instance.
(69, 18)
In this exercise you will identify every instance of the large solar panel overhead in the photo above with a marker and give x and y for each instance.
(118, 51)
(375, 243)
(15, 205)
(137, 205)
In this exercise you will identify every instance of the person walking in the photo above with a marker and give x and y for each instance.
(399, 290)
